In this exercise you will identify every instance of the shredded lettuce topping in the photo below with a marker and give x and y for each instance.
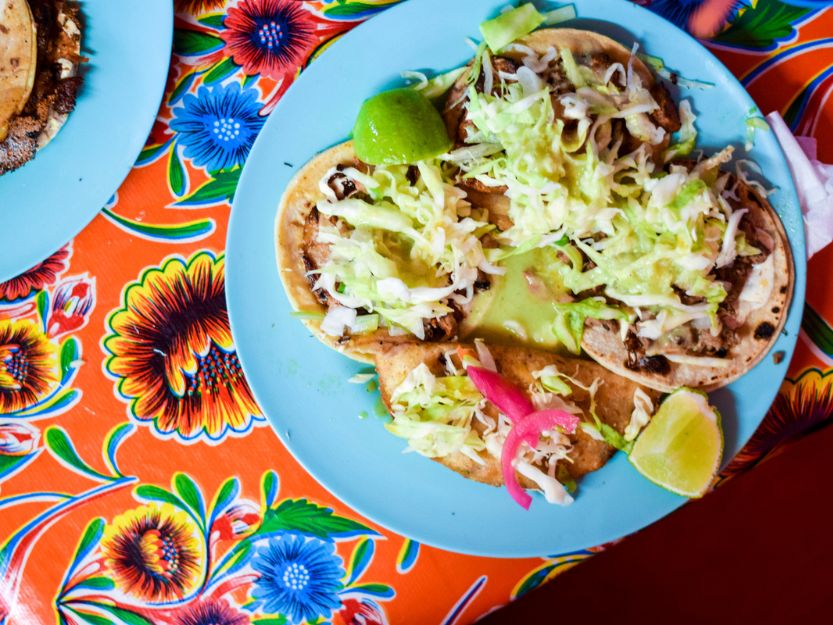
(434, 414)
(513, 24)
(435, 87)
(405, 251)
(643, 408)
(552, 391)
(754, 122)
(639, 234)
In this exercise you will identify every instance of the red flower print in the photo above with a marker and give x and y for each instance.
(360, 612)
(154, 553)
(171, 350)
(269, 37)
(71, 304)
(37, 278)
(27, 365)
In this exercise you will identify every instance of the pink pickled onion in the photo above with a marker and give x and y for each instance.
(527, 424)
(509, 399)
(528, 430)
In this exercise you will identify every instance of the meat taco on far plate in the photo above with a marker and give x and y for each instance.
(40, 53)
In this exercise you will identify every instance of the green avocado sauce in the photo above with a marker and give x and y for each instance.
(518, 308)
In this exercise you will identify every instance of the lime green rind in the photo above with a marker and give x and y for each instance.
(399, 127)
(680, 450)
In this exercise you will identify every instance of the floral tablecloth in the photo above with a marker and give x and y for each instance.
(139, 480)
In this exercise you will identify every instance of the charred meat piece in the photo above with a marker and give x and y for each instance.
(343, 186)
(667, 115)
(734, 276)
(315, 254)
(639, 361)
(557, 80)
(685, 298)
(441, 329)
(752, 225)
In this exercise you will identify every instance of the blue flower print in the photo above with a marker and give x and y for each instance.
(218, 126)
(300, 577)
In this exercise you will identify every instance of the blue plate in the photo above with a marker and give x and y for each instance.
(50, 199)
(302, 385)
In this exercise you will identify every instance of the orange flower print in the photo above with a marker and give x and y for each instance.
(154, 552)
(171, 352)
(28, 365)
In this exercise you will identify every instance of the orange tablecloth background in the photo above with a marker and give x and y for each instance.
(139, 482)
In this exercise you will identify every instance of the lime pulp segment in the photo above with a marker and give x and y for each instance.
(680, 449)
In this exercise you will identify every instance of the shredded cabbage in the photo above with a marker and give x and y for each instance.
(601, 431)
(636, 233)
(559, 15)
(596, 429)
(687, 136)
(502, 30)
(550, 379)
(337, 320)
(361, 378)
(643, 408)
(435, 87)
(659, 67)
(434, 414)
(754, 122)
(553, 490)
(407, 250)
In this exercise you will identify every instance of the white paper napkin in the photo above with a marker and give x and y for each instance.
(813, 181)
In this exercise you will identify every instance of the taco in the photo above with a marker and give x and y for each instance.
(573, 64)
(439, 411)
(565, 192)
(40, 52)
(387, 252)
(18, 60)
(665, 353)
(668, 270)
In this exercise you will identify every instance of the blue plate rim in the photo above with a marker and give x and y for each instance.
(796, 240)
(30, 257)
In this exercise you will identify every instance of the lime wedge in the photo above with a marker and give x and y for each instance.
(399, 127)
(680, 449)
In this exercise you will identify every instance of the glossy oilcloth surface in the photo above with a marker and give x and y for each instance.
(139, 481)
